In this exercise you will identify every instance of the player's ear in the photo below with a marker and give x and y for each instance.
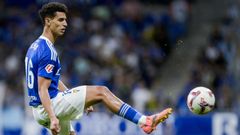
(47, 21)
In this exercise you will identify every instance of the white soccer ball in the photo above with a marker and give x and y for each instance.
(200, 100)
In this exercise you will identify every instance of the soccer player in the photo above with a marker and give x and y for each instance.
(53, 104)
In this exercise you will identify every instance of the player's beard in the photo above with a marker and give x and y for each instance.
(59, 33)
(62, 31)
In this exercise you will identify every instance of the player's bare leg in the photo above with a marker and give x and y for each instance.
(96, 94)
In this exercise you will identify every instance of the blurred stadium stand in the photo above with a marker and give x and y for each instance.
(149, 53)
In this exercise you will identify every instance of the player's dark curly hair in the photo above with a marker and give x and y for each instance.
(49, 10)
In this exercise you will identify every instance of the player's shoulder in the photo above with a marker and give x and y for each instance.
(43, 48)
(43, 43)
(38, 45)
(47, 47)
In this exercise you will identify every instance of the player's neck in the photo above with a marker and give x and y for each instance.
(48, 34)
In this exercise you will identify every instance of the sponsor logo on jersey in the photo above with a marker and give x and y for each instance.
(49, 68)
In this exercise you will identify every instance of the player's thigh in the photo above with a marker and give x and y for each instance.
(95, 94)
(70, 104)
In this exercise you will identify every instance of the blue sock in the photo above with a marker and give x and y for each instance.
(129, 113)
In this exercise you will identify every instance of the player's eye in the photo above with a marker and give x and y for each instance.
(61, 19)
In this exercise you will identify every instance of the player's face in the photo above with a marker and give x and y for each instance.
(58, 24)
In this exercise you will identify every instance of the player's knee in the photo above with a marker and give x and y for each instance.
(102, 91)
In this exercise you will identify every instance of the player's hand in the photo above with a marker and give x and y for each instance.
(54, 126)
(89, 109)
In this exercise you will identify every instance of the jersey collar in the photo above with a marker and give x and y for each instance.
(45, 38)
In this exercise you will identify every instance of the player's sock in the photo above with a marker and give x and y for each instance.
(127, 112)
(142, 120)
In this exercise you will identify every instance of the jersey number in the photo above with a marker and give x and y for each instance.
(29, 73)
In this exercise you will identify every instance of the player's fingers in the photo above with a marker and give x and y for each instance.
(55, 129)
(54, 132)
(58, 128)
(89, 110)
(72, 133)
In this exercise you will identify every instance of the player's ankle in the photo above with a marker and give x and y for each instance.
(142, 120)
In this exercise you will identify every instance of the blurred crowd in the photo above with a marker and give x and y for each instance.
(120, 44)
(217, 64)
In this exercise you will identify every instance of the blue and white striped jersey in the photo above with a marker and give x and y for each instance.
(41, 60)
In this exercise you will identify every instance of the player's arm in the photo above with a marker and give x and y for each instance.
(43, 85)
(62, 86)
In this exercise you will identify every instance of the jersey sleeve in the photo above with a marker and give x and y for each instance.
(46, 67)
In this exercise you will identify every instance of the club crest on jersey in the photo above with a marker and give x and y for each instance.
(49, 68)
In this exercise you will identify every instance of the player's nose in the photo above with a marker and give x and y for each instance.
(65, 24)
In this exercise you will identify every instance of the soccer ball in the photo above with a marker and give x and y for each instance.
(200, 100)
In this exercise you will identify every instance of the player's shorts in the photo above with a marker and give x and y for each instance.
(67, 106)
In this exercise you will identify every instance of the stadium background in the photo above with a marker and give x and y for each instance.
(149, 53)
